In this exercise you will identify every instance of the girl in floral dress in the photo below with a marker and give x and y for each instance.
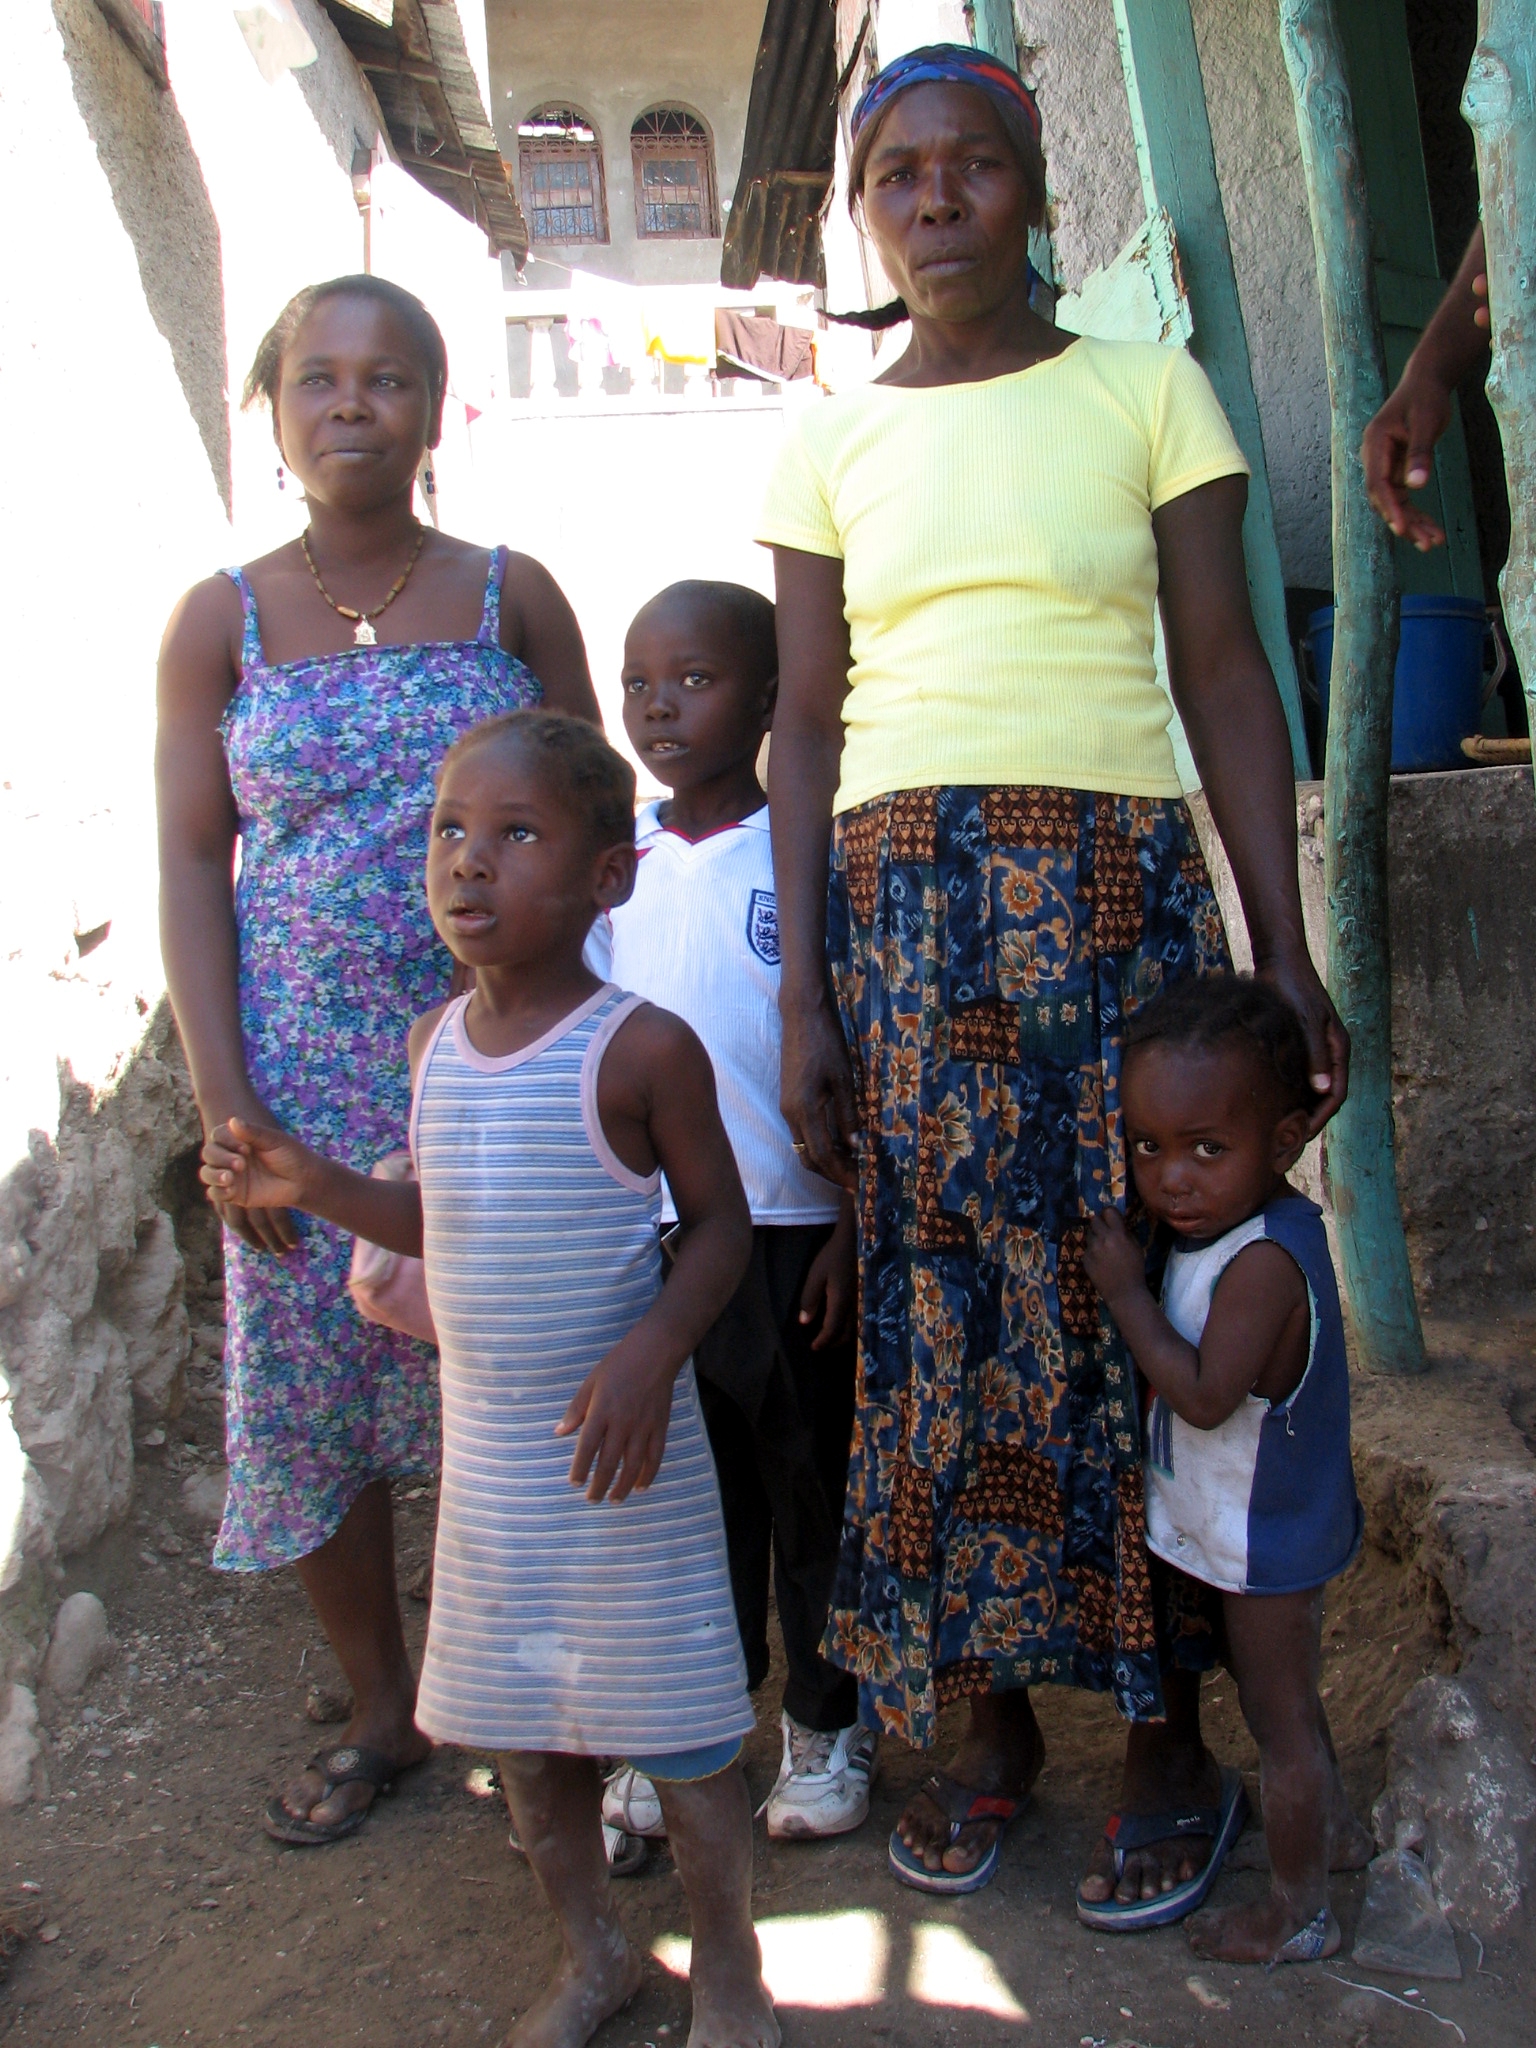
(304, 701)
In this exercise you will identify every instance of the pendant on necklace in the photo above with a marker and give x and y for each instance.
(363, 634)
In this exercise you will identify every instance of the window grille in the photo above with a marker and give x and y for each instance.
(674, 177)
(560, 168)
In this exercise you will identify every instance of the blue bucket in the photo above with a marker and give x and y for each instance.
(1438, 690)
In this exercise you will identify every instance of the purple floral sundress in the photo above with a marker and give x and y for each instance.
(331, 762)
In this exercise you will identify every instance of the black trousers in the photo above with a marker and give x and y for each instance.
(780, 1420)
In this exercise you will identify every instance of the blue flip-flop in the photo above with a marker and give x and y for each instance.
(959, 1806)
(1128, 1831)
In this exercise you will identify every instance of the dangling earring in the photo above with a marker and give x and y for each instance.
(281, 480)
(429, 481)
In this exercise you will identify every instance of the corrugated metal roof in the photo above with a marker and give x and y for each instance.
(787, 157)
(429, 96)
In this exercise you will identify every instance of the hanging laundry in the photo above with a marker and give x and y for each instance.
(603, 323)
(761, 346)
(679, 324)
(276, 38)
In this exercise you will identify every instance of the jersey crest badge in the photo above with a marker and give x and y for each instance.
(763, 926)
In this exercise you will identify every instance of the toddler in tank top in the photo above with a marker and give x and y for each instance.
(581, 1601)
(700, 936)
(1249, 1485)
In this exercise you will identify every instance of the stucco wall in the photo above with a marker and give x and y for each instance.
(613, 63)
(1071, 57)
(1258, 161)
(1071, 53)
(150, 239)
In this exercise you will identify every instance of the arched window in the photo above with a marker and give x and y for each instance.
(674, 177)
(560, 169)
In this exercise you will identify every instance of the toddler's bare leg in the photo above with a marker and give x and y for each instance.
(556, 1804)
(1274, 1641)
(1351, 1844)
(709, 1824)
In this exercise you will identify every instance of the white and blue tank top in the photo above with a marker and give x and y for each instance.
(1265, 1502)
(557, 1623)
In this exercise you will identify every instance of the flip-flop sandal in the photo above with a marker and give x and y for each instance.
(960, 1806)
(627, 1854)
(1313, 1943)
(350, 1765)
(1128, 1831)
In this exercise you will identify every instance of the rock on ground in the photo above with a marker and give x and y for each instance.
(80, 1645)
(1460, 1793)
(202, 1495)
(22, 1773)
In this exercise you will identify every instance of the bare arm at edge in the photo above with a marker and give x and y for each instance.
(539, 627)
(816, 1081)
(197, 827)
(1398, 446)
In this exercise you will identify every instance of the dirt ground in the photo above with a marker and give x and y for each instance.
(150, 1908)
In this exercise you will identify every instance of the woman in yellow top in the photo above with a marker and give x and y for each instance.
(968, 554)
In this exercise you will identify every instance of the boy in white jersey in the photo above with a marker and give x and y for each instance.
(776, 1373)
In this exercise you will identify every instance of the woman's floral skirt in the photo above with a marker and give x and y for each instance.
(985, 945)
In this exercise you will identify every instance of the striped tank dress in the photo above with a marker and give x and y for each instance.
(557, 1623)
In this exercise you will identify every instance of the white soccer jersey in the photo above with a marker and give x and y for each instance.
(700, 937)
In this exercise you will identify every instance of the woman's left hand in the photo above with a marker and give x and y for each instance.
(1327, 1041)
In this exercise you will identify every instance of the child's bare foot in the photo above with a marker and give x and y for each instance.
(731, 2006)
(709, 1824)
(555, 1802)
(580, 1997)
(1258, 1933)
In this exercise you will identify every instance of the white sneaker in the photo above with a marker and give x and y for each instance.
(630, 1803)
(824, 1781)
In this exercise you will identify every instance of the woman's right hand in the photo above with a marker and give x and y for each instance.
(816, 1092)
(263, 1227)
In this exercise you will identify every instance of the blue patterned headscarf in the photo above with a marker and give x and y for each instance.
(945, 64)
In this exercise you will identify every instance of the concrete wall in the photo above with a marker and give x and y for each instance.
(150, 239)
(614, 63)
(1462, 877)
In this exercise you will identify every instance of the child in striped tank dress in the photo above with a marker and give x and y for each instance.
(1249, 1486)
(581, 1602)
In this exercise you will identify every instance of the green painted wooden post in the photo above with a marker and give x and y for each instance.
(1359, 1148)
(1500, 104)
(1178, 171)
(993, 30)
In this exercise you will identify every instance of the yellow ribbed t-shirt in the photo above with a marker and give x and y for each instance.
(999, 569)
